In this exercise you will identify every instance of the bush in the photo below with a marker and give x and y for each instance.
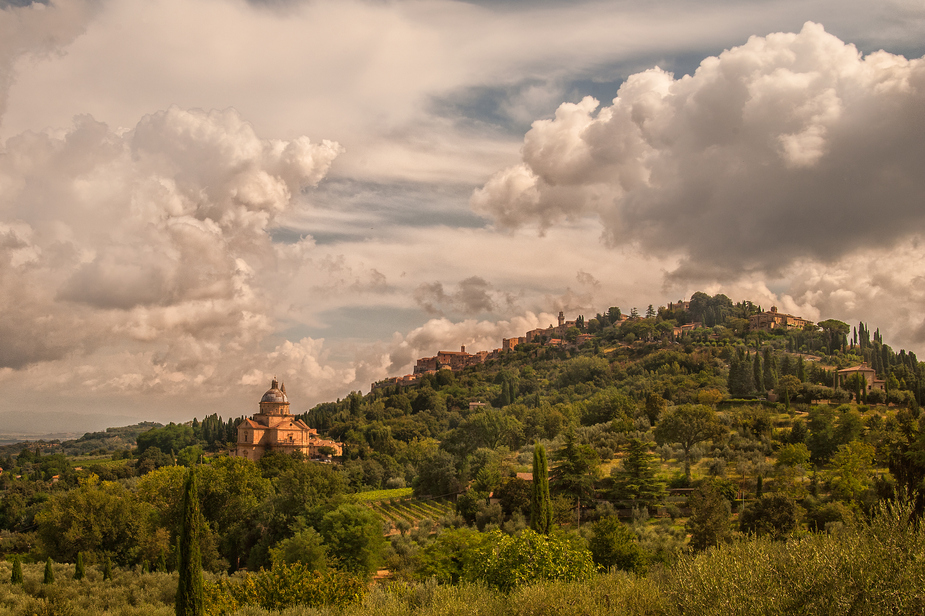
(282, 587)
(506, 562)
(614, 546)
(772, 515)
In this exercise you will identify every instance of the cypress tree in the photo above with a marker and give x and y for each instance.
(540, 507)
(770, 375)
(732, 381)
(757, 375)
(49, 572)
(189, 586)
(79, 567)
(16, 578)
(107, 569)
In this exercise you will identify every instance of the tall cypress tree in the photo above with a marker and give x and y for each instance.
(16, 578)
(757, 375)
(540, 507)
(107, 569)
(49, 572)
(79, 567)
(770, 373)
(189, 586)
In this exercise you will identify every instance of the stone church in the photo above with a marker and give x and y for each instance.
(275, 429)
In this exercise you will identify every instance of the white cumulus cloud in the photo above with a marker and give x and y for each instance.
(789, 146)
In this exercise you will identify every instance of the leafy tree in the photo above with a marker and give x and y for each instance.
(709, 397)
(16, 577)
(851, 466)
(356, 531)
(540, 508)
(189, 601)
(171, 437)
(789, 384)
(79, 567)
(304, 546)
(655, 405)
(774, 515)
(515, 496)
(822, 440)
(152, 458)
(708, 524)
(688, 425)
(506, 562)
(793, 454)
(613, 546)
(101, 518)
(233, 494)
(584, 369)
(436, 475)
(490, 428)
(189, 456)
(448, 557)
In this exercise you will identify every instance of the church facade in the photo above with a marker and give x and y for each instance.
(275, 429)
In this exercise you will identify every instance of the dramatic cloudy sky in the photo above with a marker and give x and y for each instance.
(196, 195)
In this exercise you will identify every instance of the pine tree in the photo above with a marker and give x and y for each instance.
(189, 586)
(637, 479)
(540, 507)
(49, 572)
(16, 578)
(79, 567)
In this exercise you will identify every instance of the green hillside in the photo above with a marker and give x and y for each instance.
(671, 452)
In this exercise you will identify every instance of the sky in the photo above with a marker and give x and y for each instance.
(199, 195)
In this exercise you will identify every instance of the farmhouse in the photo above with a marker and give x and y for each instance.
(868, 373)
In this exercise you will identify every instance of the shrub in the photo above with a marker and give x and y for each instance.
(506, 562)
(282, 587)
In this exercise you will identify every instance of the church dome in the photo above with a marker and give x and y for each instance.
(275, 394)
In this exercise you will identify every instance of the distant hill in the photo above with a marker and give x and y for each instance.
(111, 439)
(33, 426)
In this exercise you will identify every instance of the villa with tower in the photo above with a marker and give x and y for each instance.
(274, 428)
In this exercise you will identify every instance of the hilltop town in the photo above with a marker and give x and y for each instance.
(575, 333)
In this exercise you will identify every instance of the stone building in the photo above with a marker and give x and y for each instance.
(869, 374)
(772, 319)
(275, 429)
